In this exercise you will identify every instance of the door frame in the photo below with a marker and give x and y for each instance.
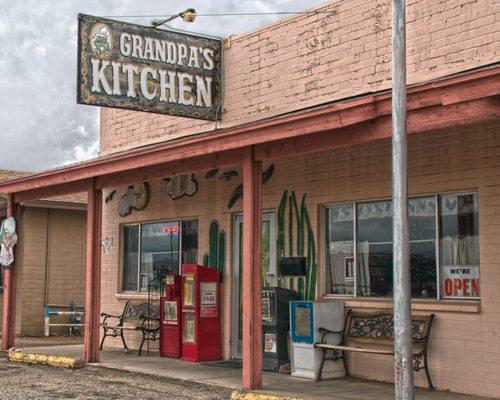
(236, 219)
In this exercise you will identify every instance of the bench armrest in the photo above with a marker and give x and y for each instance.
(107, 316)
(325, 332)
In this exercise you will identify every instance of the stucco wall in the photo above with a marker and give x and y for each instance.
(308, 60)
(465, 342)
(64, 256)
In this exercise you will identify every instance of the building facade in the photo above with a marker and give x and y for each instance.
(307, 105)
(309, 60)
(50, 256)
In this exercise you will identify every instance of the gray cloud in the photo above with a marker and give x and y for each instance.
(41, 126)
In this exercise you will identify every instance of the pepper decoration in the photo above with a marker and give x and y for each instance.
(297, 246)
(216, 256)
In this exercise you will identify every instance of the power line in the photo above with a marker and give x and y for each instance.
(225, 14)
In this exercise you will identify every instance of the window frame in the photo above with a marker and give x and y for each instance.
(139, 249)
(325, 226)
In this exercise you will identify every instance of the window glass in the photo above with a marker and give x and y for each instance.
(340, 250)
(374, 248)
(190, 242)
(459, 245)
(422, 230)
(159, 250)
(130, 257)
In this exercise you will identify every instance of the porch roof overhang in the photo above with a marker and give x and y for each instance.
(468, 98)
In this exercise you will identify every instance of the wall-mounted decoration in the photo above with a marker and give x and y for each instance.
(216, 256)
(106, 244)
(238, 191)
(210, 174)
(8, 239)
(109, 197)
(228, 175)
(301, 243)
(235, 196)
(181, 185)
(136, 198)
(266, 175)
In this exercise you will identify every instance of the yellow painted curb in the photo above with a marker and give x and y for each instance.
(42, 359)
(237, 395)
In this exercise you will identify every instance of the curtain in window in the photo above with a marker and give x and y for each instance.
(456, 251)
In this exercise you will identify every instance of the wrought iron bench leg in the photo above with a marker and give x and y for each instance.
(142, 343)
(344, 360)
(427, 373)
(322, 363)
(123, 340)
(103, 337)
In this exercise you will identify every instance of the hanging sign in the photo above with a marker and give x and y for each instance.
(8, 239)
(461, 281)
(140, 68)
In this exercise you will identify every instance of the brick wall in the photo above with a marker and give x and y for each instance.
(308, 60)
(465, 342)
(65, 261)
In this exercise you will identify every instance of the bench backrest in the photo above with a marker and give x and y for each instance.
(133, 312)
(378, 327)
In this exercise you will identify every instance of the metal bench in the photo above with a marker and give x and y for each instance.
(362, 329)
(135, 317)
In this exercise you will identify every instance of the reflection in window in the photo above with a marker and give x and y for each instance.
(130, 257)
(374, 248)
(155, 248)
(340, 249)
(159, 250)
(190, 242)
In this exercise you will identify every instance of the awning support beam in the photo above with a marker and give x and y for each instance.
(252, 271)
(93, 274)
(10, 288)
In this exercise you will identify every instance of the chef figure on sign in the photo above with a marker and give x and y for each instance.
(8, 240)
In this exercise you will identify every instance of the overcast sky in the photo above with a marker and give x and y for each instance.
(41, 126)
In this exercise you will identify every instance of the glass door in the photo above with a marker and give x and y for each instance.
(269, 270)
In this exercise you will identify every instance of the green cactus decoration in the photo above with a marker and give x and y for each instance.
(303, 235)
(216, 256)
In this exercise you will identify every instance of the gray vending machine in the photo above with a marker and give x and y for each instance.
(275, 326)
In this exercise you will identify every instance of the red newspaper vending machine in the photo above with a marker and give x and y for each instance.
(201, 320)
(171, 317)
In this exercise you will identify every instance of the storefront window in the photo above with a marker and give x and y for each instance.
(360, 235)
(156, 248)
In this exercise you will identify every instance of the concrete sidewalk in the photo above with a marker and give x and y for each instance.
(274, 383)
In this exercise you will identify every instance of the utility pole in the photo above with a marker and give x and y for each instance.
(403, 357)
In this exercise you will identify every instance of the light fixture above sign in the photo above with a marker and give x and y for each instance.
(142, 68)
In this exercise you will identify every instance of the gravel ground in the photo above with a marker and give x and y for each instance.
(20, 381)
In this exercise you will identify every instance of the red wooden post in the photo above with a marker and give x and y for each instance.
(9, 288)
(93, 275)
(252, 271)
